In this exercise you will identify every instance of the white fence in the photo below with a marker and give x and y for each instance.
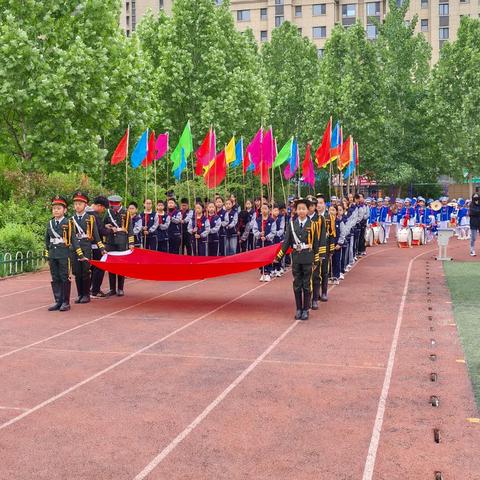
(13, 264)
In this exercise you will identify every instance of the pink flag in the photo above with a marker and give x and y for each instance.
(268, 146)
(253, 153)
(293, 162)
(308, 173)
(161, 145)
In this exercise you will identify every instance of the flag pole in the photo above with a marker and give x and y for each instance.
(126, 164)
(155, 180)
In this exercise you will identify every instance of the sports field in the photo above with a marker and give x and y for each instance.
(464, 284)
(215, 380)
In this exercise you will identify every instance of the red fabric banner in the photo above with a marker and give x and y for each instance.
(151, 265)
(121, 152)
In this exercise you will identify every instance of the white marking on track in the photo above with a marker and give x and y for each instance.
(377, 427)
(13, 408)
(124, 359)
(11, 352)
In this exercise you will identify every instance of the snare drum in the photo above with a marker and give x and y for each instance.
(378, 234)
(369, 236)
(418, 235)
(404, 237)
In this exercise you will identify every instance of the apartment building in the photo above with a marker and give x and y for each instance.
(438, 20)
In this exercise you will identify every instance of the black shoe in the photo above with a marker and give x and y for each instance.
(111, 293)
(120, 293)
(298, 315)
(66, 286)
(314, 305)
(99, 294)
(304, 315)
(323, 297)
(85, 299)
(57, 295)
(64, 308)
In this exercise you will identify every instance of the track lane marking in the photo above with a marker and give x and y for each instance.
(377, 427)
(124, 359)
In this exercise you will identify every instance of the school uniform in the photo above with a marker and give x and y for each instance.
(279, 237)
(148, 238)
(160, 229)
(137, 231)
(174, 231)
(336, 253)
(244, 219)
(385, 220)
(444, 215)
(222, 233)
(97, 273)
(200, 226)
(407, 217)
(320, 270)
(186, 244)
(268, 227)
(303, 238)
(213, 236)
(231, 235)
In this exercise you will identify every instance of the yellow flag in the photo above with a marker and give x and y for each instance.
(230, 151)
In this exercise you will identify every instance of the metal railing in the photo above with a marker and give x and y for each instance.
(20, 262)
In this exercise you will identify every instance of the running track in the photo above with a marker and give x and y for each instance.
(214, 380)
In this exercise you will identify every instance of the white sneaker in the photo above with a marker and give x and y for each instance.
(342, 276)
(472, 253)
(267, 278)
(281, 272)
(262, 278)
(348, 268)
(336, 281)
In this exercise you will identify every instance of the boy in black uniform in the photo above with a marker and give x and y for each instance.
(119, 239)
(100, 205)
(320, 273)
(83, 231)
(302, 236)
(57, 242)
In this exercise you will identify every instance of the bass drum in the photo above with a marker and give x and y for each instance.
(404, 237)
(418, 235)
(369, 236)
(378, 234)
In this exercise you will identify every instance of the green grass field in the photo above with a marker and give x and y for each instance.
(464, 282)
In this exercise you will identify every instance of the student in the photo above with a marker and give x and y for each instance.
(136, 224)
(174, 230)
(222, 233)
(83, 232)
(198, 228)
(186, 216)
(278, 269)
(337, 249)
(320, 271)
(100, 205)
(215, 224)
(230, 224)
(160, 226)
(302, 237)
(148, 235)
(57, 251)
(264, 229)
(119, 239)
(244, 227)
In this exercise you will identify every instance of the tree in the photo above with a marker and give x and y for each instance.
(454, 103)
(291, 63)
(64, 79)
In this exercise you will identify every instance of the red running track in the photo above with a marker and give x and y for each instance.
(214, 380)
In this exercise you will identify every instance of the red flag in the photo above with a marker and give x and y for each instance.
(308, 173)
(357, 159)
(216, 173)
(206, 152)
(346, 154)
(121, 152)
(323, 153)
(148, 160)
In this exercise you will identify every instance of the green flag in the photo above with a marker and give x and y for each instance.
(186, 144)
(284, 154)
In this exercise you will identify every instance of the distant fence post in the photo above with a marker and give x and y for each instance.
(19, 263)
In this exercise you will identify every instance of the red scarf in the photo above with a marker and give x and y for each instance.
(199, 223)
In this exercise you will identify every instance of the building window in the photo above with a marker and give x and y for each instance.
(424, 3)
(243, 15)
(298, 10)
(299, 30)
(443, 9)
(319, 32)
(263, 36)
(463, 1)
(278, 2)
(443, 33)
(127, 7)
(348, 10)
(279, 10)
(424, 25)
(320, 52)
(319, 9)
(278, 20)
(263, 14)
(371, 32)
(373, 9)
(127, 20)
(160, 4)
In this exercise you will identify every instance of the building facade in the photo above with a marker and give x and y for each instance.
(438, 20)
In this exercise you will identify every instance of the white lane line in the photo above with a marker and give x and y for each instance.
(64, 332)
(13, 408)
(182, 435)
(377, 427)
(124, 359)
(23, 291)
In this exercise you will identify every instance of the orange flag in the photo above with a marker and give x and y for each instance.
(346, 154)
(217, 172)
(323, 152)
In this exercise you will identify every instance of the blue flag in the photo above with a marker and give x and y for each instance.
(140, 150)
(177, 173)
(238, 154)
(351, 165)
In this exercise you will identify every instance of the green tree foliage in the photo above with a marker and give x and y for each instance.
(66, 78)
(291, 64)
(454, 105)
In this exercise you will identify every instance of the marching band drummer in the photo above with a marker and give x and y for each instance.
(407, 214)
(444, 215)
(424, 216)
(384, 217)
(463, 227)
(302, 236)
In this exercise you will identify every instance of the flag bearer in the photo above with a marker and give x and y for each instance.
(215, 225)
(57, 243)
(83, 232)
(264, 229)
(320, 270)
(302, 236)
(100, 205)
(198, 228)
(120, 238)
(148, 235)
(161, 225)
